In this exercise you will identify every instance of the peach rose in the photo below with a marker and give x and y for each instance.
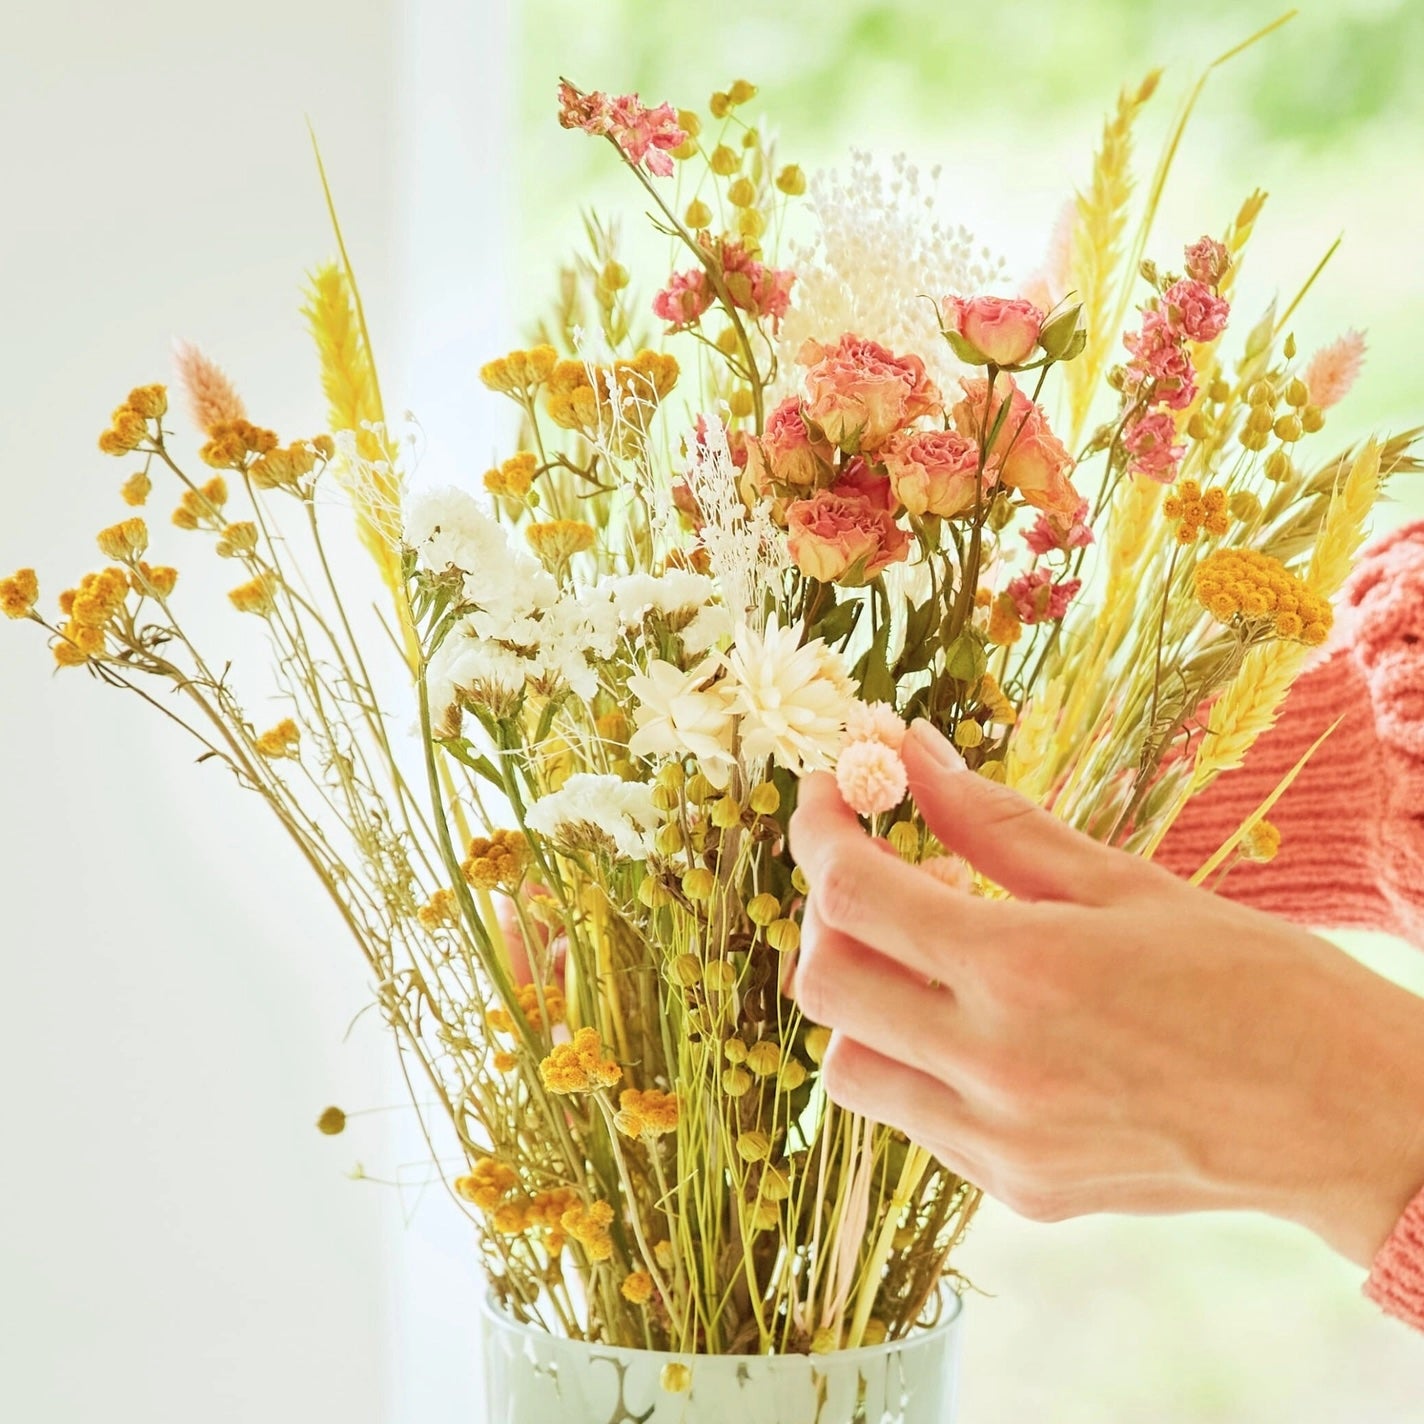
(1003, 330)
(858, 481)
(932, 471)
(1026, 455)
(860, 394)
(838, 537)
(785, 454)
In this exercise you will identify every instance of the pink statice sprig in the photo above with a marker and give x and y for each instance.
(645, 136)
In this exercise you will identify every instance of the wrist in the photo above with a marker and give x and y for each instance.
(1364, 1162)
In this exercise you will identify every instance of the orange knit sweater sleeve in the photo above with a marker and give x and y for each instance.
(1352, 824)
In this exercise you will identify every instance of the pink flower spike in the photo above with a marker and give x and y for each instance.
(1038, 599)
(871, 777)
(646, 136)
(1050, 532)
(1208, 261)
(684, 299)
(875, 722)
(211, 397)
(1152, 447)
(1333, 369)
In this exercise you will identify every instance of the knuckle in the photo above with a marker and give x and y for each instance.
(1034, 1202)
(838, 890)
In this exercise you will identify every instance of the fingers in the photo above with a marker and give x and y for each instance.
(845, 986)
(925, 1109)
(1004, 835)
(890, 906)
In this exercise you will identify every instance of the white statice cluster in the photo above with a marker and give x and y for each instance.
(769, 698)
(522, 629)
(878, 251)
(601, 813)
(747, 552)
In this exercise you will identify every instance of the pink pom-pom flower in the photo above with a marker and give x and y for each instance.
(871, 777)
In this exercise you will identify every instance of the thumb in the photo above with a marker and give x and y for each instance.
(1003, 834)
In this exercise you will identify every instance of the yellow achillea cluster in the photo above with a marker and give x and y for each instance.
(1005, 626)
(1232, 583)
(504, 1061)
(125, 540)
(588, 1225)
(232, 441)
(198, 505)
(487, 1184)
(439, 911)
(88, 609)
(1260, 843)
(579, 1067)
(155, 579)
(514, 476)
(237, 540)
(1192, 510)
(19, 593)
(595, 400)
(539, 1010)
(637, 1287)
(128, 426)
(257, 595)
(280, 741)
(647, 1113)
(135, 490)
(499, 859)
(283, 469)
(558, 540)
(520, 372)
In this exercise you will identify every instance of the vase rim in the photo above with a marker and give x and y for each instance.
(953, 1311)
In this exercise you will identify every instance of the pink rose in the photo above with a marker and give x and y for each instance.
(1152, 447)
(1038, 599)
(999, 329)
(932, 471)
(1207, 261)
(684, 299)
(1026, 455)
(831, 536)
(858, 481)
(860, 394)
(1195, 310)
(785, 454)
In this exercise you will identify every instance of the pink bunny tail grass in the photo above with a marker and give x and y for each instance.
(1333, 369)
(211, 397)
(1049, 285)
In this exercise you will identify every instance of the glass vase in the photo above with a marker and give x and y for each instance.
(533, 1377)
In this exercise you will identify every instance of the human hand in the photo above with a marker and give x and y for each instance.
(1112, 1039)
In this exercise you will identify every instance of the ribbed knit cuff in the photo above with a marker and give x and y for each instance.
(1396, 1281)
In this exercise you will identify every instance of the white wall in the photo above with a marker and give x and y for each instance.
(177, 1243)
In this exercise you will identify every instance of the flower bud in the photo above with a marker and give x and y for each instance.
(1296, 393)
(720, 976)
(698, 214)
(764, 1057)
(719, 105)
(753, 1147)
(784, 936)
(676, 1378)
(1261, 419)
(699, 883)
(765, 799)
(1262, 393)
(331, 1121)
(791, 1076)
(665, 798)
(689, 123)
(699, 789)
(685, 970)
(742, 193)
(736, 1082)
(799, 883)
(742, 91)
(740, 402)
(653, 894)
(775, 1184)
(724, 161)
(1311, 419)
(669, 839)
(726, 812)
(1062, 337)
(734, 1051)
(765, 1217)
(763, 909)
(791, 181)
(1278, 466)
(1219, 390)
(1289, 429)
(968, 734)
(818, 1039)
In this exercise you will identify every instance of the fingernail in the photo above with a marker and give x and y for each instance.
(936, 746)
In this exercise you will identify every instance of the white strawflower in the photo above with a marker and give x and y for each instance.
(793, 697)
(681, 713)
(603, 813)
